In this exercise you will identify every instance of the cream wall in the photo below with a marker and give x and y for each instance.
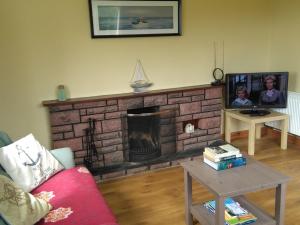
(47, 43)
(284, 40)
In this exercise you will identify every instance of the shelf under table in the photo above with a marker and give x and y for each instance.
(207, 218)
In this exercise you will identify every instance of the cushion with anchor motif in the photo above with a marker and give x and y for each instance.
(28, 163)
(18, 207)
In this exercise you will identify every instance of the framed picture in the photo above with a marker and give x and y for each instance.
(113, 18)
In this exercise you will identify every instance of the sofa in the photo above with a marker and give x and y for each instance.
(72, 192)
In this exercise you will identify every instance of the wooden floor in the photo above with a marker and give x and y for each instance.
(156, 198)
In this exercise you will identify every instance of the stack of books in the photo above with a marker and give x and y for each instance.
(223, 157)
(235, 214)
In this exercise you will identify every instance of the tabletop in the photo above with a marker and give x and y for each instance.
(235, 181)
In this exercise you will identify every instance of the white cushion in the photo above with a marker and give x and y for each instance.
(28, 163)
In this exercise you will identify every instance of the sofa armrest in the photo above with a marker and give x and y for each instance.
(65, 156)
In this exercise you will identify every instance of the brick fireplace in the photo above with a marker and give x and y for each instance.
(199, 105)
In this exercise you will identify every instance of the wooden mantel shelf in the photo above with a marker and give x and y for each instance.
(123, 95)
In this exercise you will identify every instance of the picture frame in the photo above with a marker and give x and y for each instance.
(119, 18)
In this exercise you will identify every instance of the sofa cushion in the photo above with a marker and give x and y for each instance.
(28, 163)
(75, 198)
(65, 156)
(2, 221)
(19, 207)
(4, 139)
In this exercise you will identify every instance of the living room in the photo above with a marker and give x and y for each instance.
(55, 48)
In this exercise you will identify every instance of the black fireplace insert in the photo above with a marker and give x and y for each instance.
(143, 134)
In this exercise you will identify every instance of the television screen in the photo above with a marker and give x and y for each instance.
(256, 90)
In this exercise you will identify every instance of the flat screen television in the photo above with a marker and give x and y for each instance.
(256, 91)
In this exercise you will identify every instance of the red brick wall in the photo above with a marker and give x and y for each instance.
(203, 106)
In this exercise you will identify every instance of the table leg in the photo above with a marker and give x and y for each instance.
(220, 211)
(280, 204)
(228, 121)
(258, 130)
(188, 198)
(251, 139)
(284, 133)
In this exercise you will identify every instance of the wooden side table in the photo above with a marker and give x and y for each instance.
(255, 124)
(234, 183)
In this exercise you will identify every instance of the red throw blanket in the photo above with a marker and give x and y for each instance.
(75, 198)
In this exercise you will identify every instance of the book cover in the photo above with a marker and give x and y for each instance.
(226, 164)
(235, 214)
(213, 159)
(230, 148)
(221, 151)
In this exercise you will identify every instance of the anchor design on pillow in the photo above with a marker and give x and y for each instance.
(35, 164)
(27, 160)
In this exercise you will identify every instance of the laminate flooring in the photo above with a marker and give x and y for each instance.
(157, 197)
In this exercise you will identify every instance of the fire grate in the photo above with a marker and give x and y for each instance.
(143, 134)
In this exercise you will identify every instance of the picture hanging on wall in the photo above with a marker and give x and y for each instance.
(112, 18)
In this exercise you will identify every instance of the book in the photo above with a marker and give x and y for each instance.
(221, 151)
(230, 148)
(235, 214)
(209, 157)
(226, 164)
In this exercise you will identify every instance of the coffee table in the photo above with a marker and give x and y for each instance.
(234, 183)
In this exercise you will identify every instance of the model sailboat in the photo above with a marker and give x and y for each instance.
(139, 81)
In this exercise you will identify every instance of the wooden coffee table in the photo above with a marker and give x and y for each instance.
(235, 183)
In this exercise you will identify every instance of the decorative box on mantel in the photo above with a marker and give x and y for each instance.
(154, 138)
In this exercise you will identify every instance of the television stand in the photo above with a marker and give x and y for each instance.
(255, 112)
(255, 123)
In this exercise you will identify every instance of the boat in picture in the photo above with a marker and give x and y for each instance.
(140, 23)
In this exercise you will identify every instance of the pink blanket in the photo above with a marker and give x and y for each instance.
(75, 199)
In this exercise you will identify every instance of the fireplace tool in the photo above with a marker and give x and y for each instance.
(91, 150)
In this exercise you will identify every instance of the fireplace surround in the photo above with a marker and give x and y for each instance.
(166, 110)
